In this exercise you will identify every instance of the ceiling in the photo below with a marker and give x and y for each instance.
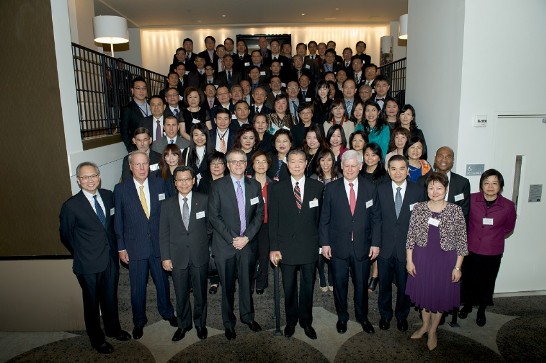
(195, 13)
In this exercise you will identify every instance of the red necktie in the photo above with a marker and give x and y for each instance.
(352, 199)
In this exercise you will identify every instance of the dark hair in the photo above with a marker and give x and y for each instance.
(320, 138)
(335, 103)
(192, 149)
(181, 169)
(321, 155)
(142, 130)
(306, 106)
(380, 168)
(436, 176)
(331, 131)
(398, 130)
(158, 97)
(381, 78)
(242, 130)
(258, 153)
(280, 132)
(216, 155)
(384, 110)
(321, 83)
(397, 158)
(404, 108)
(223, 110)
(379, 124)
(137, 79)
(190, 90)
(364, 137)
(187, 40)
(211, 38)
(414, 140)
(356, 103)
(492, 172)
(360, 42)
(163, 166)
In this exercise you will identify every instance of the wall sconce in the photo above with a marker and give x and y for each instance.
(110, 30)
(403, 30)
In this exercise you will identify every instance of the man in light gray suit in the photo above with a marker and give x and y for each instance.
(170, 126)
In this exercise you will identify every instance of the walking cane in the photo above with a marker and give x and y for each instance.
(278, 331)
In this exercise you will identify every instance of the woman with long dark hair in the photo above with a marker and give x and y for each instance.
(195, 155)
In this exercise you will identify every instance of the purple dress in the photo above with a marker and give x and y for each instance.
(431, 288)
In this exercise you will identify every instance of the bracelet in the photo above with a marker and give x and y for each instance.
(457, 268)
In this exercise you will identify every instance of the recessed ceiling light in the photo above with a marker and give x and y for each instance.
(302, 14)
(337, 9)
(223, 15)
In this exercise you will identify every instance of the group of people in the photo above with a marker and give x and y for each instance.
(333, 176)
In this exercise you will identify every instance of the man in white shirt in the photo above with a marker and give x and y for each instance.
(170, 125)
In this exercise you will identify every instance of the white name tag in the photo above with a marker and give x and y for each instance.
(154, 167)
(198, 176)
(112, 211)
(459, 197)
(282, 65)
(234, 117)
(247, 64)
(283, 84)
(369, 203)
(488, 221)
(200, 215)
(307, 66)
(187, 72)
(254, 200)
(195, 121)
(313, 203)
(411, 206)
(262, 73)
(161, 196)
(307, 99)
(320, 250)
(433, 221)
(216, 86)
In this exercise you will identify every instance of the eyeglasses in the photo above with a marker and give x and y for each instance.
(260, 162)
(88, 177)
(219, 163)
(238, 162)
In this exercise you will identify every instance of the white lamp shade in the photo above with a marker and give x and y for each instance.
(110, 29)
(403, 32)
(386, 44)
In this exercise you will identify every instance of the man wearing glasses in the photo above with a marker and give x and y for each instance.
(236, 211)
(87, 229)
(134, 111)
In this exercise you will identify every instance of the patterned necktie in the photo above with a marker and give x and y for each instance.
(176, 113)
(241, 206)
(398, 201)
(352, 199)
(186, 213)
(100, 212)
(142, 197)
(157, 130)
(297, 194)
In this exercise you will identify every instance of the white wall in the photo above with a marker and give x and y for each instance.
(399, 46)
(132, 51)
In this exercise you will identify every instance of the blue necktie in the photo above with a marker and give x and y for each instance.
(100, 212)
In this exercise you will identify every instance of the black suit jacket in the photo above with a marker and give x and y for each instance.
(81, 231)
(366, 59)
(224, 215)
(292, 231)
(230, 139)
(239, 64)
(394, 230)
(338, 226)
(131, 115)
(126, 173)
(236, 77)
(180, 245)
(214, 62)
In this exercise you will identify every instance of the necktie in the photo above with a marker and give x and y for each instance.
(223, 145)
(357, 79)
(257, 110)
(380, 99)
(398, 201)
(352, 199)
(171, 142)
(297, 194)
(142, 197)
(186, 213)
(157, 130)
(295, 109)
(229, 76)
(100, 212)
(241, 206)
(176, 113)
(303, 93)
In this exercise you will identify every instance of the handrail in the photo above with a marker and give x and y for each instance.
(396, 74)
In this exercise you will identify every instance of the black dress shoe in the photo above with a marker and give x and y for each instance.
(137, 332)
(254, 326)
(173, 321)
(384, 324)
(180, 333)
(105, 348)
(402, 325)
(367, 327)
(341, 327)
(289, 330)
(213, 289)
(310, 332)
(463, 313)
(372, 284)
(260, 291)
(480, 318)
(202, 332)
(122, 336)
(230, 334)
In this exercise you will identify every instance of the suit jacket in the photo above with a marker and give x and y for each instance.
(236, 77)
(168, 111)
(230, 139)
(224, 215)
(283, 173)
(159, 145)
(196, 79)
(292, 231)
(126, 173)
(131, 115)
(239, 64)
(214, 62)
(91, 244)
(134, 232)
(180, 245)
(338, 226)
(148, 123)
(394, 230)
(366, 59)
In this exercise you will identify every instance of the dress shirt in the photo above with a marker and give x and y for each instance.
(160, 126)
(91, 200)
(181, 203)
(448, 175)
(234, 181)
(348, 188)
(301, 185)
(402, 190)
(146, 192)
(169, 140)
(219, 140)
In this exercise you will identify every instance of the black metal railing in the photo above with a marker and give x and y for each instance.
(396, 74)
(103, 86)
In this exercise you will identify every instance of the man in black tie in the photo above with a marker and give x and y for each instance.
(294, 210)
(87, 229)
(381, 87)
(396, 199)
(184, 244)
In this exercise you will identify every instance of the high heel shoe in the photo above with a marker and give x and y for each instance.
(372, 284)
(419, 334)
(432, 341)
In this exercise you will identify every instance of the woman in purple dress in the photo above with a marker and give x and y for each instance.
(436, 246)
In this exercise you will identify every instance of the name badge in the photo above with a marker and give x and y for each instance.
(112, 211)
(320, 250)
(435, 222)
(369, 203)
(307, 99)
(247, 64)
(313, 203)
(488, 221)
(195, 121)
(282, 65)
(254, 200)
(154, 167)
(198, 176)
(161, 196)
(216, 86)
(262, 73)
(187, 72)
(283, 84)
(200, 215)
(459, 197)
(307, 66)
(234, 117)
(411, 206)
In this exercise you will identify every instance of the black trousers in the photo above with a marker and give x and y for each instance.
(183, 281)
(262, 270)
(298, 306)
(391, 270)
(479, 274)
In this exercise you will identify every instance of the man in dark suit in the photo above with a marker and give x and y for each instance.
(196, 78)
(154, 122)
(241, 59)
(350, 231)
(264, 52)
(174, 105)
(133, 112)
(229, 76)
(138, 207)
(294, 210)
(236, 212)
(87, 229)
(209, 54)
(259, 96)
(222, 134)
(396, 199)
(360, 53)
(142, 140)
(184, 242)
(190, 55)
(170, 126)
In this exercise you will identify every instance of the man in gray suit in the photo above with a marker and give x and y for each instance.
(184, 244)
(236, 213)
(170, 126)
